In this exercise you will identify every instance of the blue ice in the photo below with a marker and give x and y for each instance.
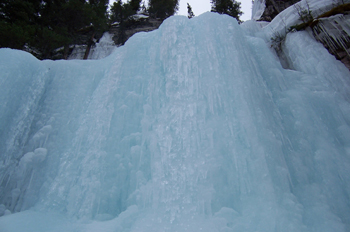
(192, 127)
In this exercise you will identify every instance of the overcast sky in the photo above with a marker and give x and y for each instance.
(201, 6)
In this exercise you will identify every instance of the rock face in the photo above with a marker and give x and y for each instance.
(274, 7)
(119, 34)
(133, 26)
(333, 33)
(331, 28)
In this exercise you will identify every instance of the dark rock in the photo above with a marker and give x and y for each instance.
(274, 7)
(131, 27)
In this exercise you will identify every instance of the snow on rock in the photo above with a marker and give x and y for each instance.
(289, 17)
(139, 16)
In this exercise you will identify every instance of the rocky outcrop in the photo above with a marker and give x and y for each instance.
(121, 33)
(331, 27)
(274, 7)
(333, 33)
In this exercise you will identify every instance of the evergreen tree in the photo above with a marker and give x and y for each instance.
(18, 22)
(49, 24)
(117, 12)
(163, 8)
(189, 11)
(229, 7)
(62, 21)
(120, 13)
(98, 14)
(135, 6)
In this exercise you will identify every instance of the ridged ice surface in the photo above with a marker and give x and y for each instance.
(192, 127)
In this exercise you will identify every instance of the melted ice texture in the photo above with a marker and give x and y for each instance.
(192, 127)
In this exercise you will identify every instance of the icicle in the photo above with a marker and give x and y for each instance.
(258, 9)
(334, 32)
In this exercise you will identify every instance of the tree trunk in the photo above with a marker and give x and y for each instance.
(65, 52)
(90, 43)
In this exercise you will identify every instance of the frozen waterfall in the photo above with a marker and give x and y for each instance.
(192, 127)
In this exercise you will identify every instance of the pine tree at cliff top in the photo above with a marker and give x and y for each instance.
(18, 22)
(190, 13)
(120, 13)
(229, 7)
(45, 25)
(163, 8)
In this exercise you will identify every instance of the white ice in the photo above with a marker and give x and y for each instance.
(258, 9)
(103, 48)
(192, 127)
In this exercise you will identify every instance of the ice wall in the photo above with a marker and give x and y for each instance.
(192, 127)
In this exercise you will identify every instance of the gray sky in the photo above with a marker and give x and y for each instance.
(201, 6)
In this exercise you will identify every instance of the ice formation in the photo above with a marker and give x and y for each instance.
(258, 9)
(192, 127)
(334, 31)
(103, 48)
(290, 17)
